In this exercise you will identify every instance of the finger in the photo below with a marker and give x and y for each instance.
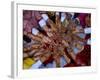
(49, 21)
(25, 55)
(31, 53)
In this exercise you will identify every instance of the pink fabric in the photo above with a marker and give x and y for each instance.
(36, 15)
(30, 19)
(27, 26)
(27, 14)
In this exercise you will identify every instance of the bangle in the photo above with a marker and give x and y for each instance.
(42, 23)
(87, 30)
(57, 13)
(35, 31)
(45, 17)
(63, 16)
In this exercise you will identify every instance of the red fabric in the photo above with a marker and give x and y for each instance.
(49, 60)
(84, 58)
(88, 36)
(82, 19)
(85, 19)
(71, 65)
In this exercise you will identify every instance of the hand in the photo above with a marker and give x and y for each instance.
(45, 57)
(46, 39)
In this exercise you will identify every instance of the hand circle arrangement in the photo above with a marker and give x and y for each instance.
(56, 39)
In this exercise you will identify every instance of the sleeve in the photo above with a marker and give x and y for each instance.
(36, 65)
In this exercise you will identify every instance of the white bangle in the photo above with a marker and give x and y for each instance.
(87, 30)
(42, 23)
(89, 41)
(57, 13)
(45, 17)
(72, 13)
(35, 31)
(78, 20)
(63, 16)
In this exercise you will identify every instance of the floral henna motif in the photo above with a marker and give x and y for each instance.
(59, 40)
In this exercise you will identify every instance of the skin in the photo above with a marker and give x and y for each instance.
(57, 38)
(45, 57)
